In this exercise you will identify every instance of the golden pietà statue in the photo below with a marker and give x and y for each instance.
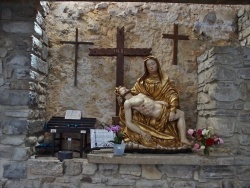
(149, 113)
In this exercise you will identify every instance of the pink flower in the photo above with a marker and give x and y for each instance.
(199, 132)
(221, 141)
(196, 146)
(190, 131)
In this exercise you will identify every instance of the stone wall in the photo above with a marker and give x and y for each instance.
(23, 82)
(223, 96)
(137, 171)
(144, 24)
(23, 78)
(244, 26)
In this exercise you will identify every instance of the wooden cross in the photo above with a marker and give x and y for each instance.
(76, 43)
(120, 52)
(176, 37)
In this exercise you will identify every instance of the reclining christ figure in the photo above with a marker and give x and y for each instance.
(150, 134)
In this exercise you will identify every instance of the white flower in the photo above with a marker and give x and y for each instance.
(205, 132)
(202, 147)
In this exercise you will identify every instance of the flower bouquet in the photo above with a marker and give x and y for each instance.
(118, 134)
(203, 140)
(119, 147)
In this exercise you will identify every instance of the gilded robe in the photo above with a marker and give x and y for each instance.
(163, 132)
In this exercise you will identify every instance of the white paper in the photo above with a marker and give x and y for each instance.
(73, 114)
(100, 138)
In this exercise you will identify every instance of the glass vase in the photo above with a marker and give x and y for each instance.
(206, 151)
(119, 149)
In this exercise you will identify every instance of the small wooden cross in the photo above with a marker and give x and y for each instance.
(176, 37)
(76, 43)
(120, 52)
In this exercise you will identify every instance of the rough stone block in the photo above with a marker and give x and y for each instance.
(241, 160)
(243, 42)
(224, 112)
(200, 67)
(42, 99)
(202, 78)
(45, 167)
(12, 140)
(232, 50)
(238, 105)
(22, 73)
(45, 8)
(151, 172)
(215, 172)
(23, 183)
(182, 184)
(243, 173)
(120, 182)
(33, 98)
(6, 152)
(227, 91)
(36, 46)
(40, 19)
(45, 52)
(15, 170)
(39, 64)
(38, 30)
(35, 126)
(72, 168)
(45, 39)
(217, 105)
(246, 53)
(244, 117)
(244, 150)
(107, 169)
(246, 63)
(15, 61)
(20, 85)
(246, 129)
(184, 172)
(14, 127)
(208, 185)
(17, 113)
(220, 74)
(20, 154)
(203, 57)
(13, 98)
(245, 32)
(223, 126)
(88, 168)
(3, 52)
(247, 106)
(38, 77)
(6, 14)
(34, 113)
(1, 66)
(19, 27)
(245, 184)
(151, 183)
(228, 60)
(241, 12)
(133, 170)
(23, 13)
(209, 63)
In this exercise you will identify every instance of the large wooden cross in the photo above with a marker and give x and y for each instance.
(76, 43)
(120, 52)
(175, 37)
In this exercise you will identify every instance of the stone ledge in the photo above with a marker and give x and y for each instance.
(171, 159)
